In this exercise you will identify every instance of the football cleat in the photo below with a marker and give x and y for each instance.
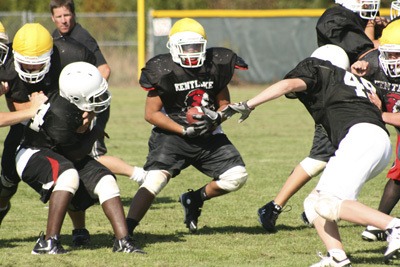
(393, 250)
(80, 237)
(126, 245)
(3, 213)
(191, 210)
(373, 234)
(330, 261)
(49, 246)
(268, 214)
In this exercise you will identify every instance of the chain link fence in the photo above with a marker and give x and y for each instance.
(115, 32)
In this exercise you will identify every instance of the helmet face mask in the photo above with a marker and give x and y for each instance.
(187, 49)
(82, 84)
(3, 53)
(100, 100)
(367, 9)
(389, 59)
(3, 45)
(32, 76)
(395, 9)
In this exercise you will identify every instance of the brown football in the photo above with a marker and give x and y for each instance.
(191, 112)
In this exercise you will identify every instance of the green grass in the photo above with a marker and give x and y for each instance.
(272, 141)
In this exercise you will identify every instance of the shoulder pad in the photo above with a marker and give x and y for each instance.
(162, 61)
(155, 68)
(221, 55)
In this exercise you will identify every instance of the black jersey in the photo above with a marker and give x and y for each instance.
(345, 28)
(181, 88)
(389, 86)
(55, 127)
(70, 51)
(81, 35)
(335, 98)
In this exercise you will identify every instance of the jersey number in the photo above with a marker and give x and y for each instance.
(362, 88)
(38, 120)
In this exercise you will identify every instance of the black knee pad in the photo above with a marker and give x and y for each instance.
(8, 192)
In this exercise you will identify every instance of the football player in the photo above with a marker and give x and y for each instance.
(10, 118)
(343, 25)
(53, 158)
(190, 75)
(382, 67)
(64, 18)
(339, 101)
(33, 66)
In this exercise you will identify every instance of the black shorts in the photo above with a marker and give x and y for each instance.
(99, 147)
(212, 155)
(45, 166)
(322, 148)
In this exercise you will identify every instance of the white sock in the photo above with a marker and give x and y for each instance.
(370, 227)
(338, 254)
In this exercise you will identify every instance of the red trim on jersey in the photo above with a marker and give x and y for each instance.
(148, 89)
(55, 167)
(241, 68)
(394, 172)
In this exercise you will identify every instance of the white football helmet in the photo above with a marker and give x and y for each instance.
(187, 43)
(82, 84)
(395, 9)
(32, 48)
(367, 9)
(333, 53)
(389, 48)
(3, 44)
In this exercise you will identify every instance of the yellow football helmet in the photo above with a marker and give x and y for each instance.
(395, 9)
(367, 9)
(389, 48)
(187, 43)
(32, 46)
(3, 44)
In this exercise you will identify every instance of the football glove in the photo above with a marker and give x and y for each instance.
(241, 108)
(210, 118)
(195, 129)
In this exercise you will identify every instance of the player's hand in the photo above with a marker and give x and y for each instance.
(243, 109)
(87, 120)
(210, 118)
(360, 68)
(37, 99)
(4, 87)
(195, 129)
(373, 97)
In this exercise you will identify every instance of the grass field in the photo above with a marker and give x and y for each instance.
(272, 141)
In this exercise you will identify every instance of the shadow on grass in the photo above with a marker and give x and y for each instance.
(377, 258)
(126, 201)
(98, 241)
